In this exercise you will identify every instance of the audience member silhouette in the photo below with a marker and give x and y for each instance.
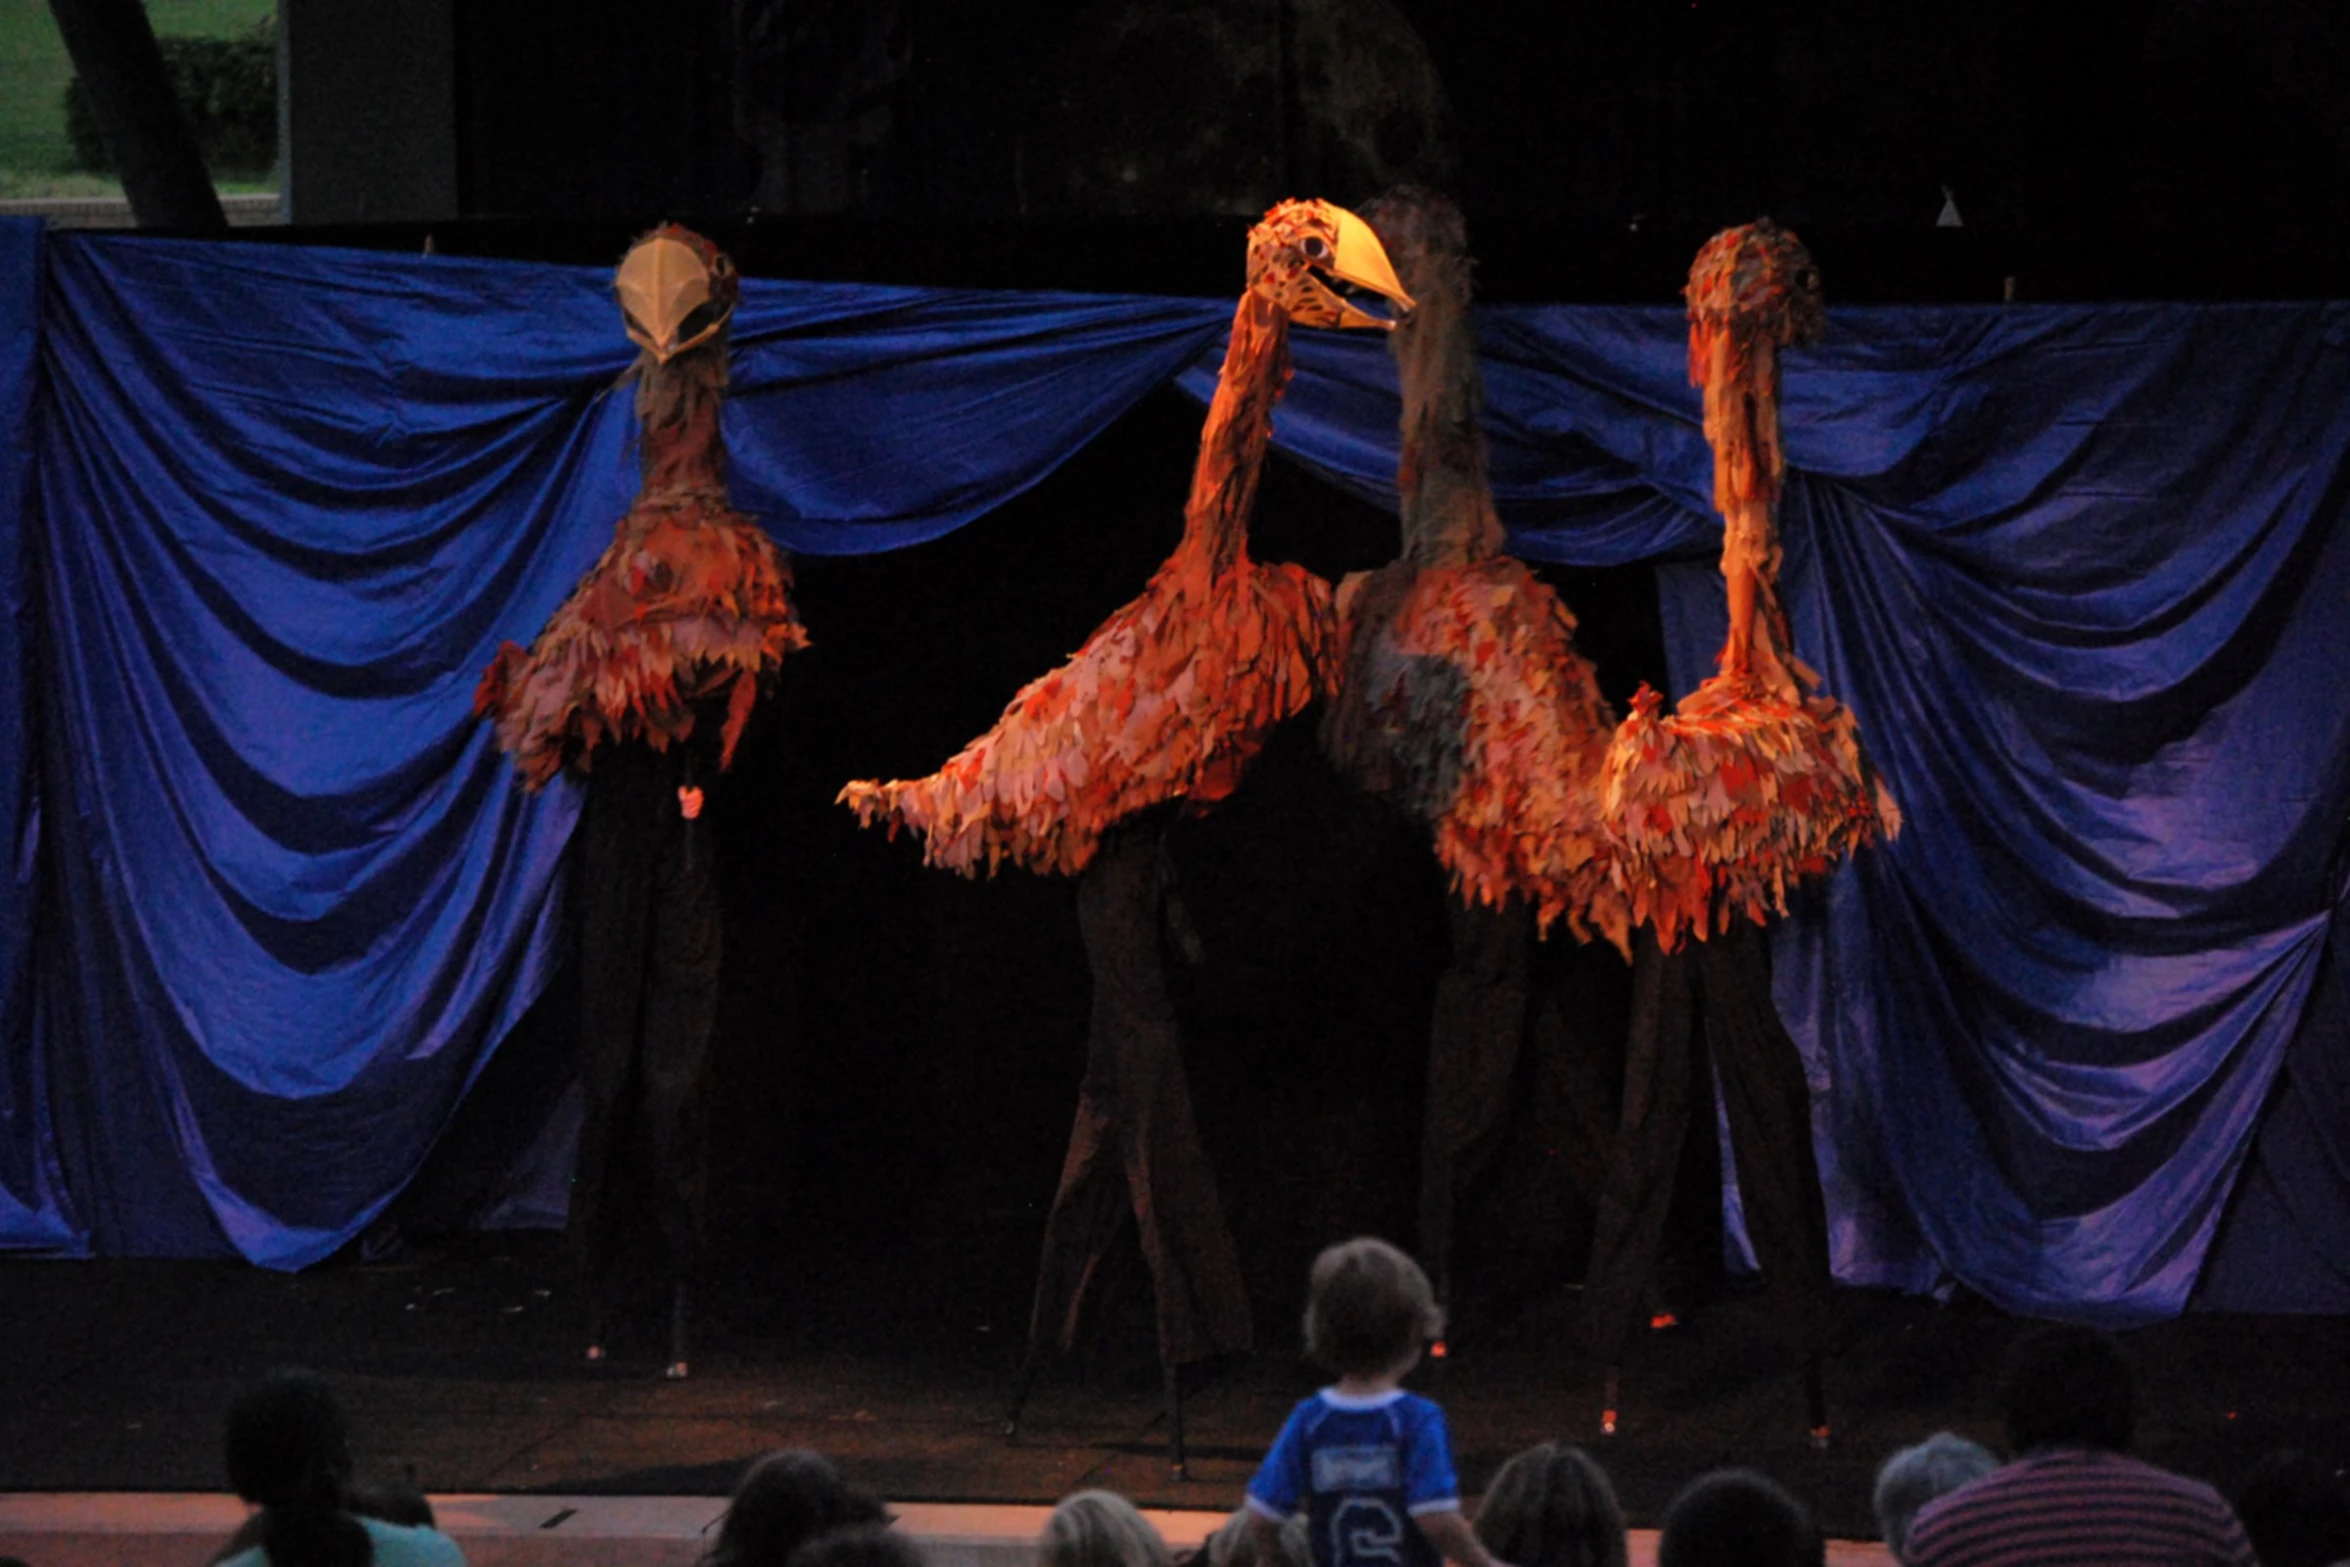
(784, 1500)
(2072, 1492)
(1237, 1545)
(289, 1452)
(1552, 1506)
(1916, 1475)
(1738, 1518)
(1100, 1529)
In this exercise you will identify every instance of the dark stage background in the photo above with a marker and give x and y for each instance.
(2106, 149)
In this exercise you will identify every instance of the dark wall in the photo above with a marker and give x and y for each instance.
(2102, 148)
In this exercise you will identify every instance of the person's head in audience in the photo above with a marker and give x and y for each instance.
(392, 1501)
(1552, 1506)
(1369, 1309)
(2067, 1386)
(1232, 1545)
(2296, 1511)
(859, 1545)
(289, 1453)
(1916, 1475)
(1100, 1529)
(1738, 1518)
(783, 1500)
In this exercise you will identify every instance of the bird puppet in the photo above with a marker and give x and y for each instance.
(689, 608)
(1176, 692)
(1165, 705)
(1757, 781)
(1461, 695)
(1462, 700)
(672, 632)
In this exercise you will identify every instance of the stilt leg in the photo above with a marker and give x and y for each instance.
(1475, 1038)
(1030, 1363)
(1177, 1466)
(1610, 1397)
(1815, 1403)
(681, 1315)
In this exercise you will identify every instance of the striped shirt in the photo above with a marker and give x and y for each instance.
(2079, 1507)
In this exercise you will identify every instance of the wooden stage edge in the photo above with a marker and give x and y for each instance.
(170, 1529)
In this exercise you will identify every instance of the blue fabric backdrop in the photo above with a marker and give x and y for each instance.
(2081, 571)
(32, 1208)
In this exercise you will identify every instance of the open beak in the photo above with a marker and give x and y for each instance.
(1361, 261)
(664, 294)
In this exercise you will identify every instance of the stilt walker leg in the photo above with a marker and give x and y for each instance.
(1134, 1129)
(1177, 1467)
(617, 842)
(1031, 1360)
(1768, 1103)
(1660, 1072)
(1474, 1041)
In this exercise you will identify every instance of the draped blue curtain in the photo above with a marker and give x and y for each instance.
(2080, 571)
(32, 1205)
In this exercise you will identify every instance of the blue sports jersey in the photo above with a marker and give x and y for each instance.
(1362, 1468)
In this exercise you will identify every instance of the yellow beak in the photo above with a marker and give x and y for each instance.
(1361, 260)
(660, 283)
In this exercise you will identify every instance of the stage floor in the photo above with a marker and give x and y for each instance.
(460, 1368)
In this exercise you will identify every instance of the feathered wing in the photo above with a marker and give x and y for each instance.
(1168, 700)
(1464, 700)
(690, 601)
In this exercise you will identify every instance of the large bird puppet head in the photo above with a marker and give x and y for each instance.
(1755, 283)
(677, 291)
(1318, 263)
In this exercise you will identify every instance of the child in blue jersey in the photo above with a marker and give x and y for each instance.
(1369, 1463)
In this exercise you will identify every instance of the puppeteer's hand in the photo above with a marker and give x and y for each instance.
(689, 803)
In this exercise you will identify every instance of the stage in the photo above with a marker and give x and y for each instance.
(460, 1368)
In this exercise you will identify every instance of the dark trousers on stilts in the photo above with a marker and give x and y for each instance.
(1134, 1146)
(1712, 996)
(1474, 1041)
(647, 899)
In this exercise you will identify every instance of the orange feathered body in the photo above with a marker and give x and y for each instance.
(1745, 790)
(1757, 781)
(687, 611)
(1465, 702)
(1169, 700)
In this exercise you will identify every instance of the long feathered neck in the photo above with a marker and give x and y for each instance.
(1233, 443)
(1739, 375)
(1446, 498)
(677, 411)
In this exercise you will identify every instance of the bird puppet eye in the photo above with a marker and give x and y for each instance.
(1315, 248)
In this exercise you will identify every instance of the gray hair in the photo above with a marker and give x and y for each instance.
(1100, 1529)
(1916, 1475)
(1230, 1545)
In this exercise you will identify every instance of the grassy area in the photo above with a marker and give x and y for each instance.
(35, 159)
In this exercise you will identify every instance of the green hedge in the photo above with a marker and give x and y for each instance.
(228, 87)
